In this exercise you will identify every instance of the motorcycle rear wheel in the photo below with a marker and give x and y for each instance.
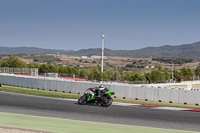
(106, 101)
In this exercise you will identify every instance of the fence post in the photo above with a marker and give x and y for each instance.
(136, 92)
(178, 96)
(71, 87)
(158, 90)
(145, 93)
(130, 92)
(170, 97)
(153, 94)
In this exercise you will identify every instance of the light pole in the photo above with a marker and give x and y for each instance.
(102, 56)
(173, 72)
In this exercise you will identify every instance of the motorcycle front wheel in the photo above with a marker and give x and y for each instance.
(82, 100)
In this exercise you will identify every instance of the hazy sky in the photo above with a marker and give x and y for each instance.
(78, 24)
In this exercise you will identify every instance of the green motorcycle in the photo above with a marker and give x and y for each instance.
(105, 99)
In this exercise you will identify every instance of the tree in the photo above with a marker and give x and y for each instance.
(131, 77)
(160, 68)
(110, 73)
(15, 62)
(177, 75)
(4, 63)
(33, 65)
(44, 69)
(174, 60)
(137, 77)
(91, 76)
(83, 74)
(105, 76)
(75, 71)
(53, 69)
(69, 70)
(148, 77)
(197, 71)
(156, 76)
(167, 75)
(117, 75)
(97, 74)
(126, 76)
(187, 72)
(61, 69)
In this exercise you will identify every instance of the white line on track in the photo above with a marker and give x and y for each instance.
(171, 108)
(123, 104)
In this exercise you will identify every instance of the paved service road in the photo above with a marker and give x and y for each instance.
(33, 105)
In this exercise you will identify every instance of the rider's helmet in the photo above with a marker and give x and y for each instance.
(92, 89)
(101, 87)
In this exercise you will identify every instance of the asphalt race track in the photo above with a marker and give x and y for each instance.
(137, 116)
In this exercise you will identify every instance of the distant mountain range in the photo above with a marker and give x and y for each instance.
(31, 50)
(186, 50)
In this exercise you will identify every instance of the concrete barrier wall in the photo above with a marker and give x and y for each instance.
(121, 90)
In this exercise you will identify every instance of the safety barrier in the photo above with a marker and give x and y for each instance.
(125, 91)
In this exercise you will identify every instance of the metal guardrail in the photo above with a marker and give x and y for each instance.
(32, 71)
(121, 90)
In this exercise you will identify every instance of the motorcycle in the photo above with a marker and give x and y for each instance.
(105, 99)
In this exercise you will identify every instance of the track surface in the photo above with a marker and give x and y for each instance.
(31, 105)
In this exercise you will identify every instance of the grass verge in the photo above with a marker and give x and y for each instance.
(36, 92)
(55, 125)
(54, 94)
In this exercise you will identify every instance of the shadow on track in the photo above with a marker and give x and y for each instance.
(89, 104)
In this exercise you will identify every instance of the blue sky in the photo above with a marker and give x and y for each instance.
(78, 24)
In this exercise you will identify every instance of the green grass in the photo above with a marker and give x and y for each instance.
(72, 126)
(39, 92)
(76, 96)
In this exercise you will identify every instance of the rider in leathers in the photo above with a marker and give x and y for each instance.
(100, 90)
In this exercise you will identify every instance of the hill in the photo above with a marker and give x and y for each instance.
(31, 50)
(186, 51)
